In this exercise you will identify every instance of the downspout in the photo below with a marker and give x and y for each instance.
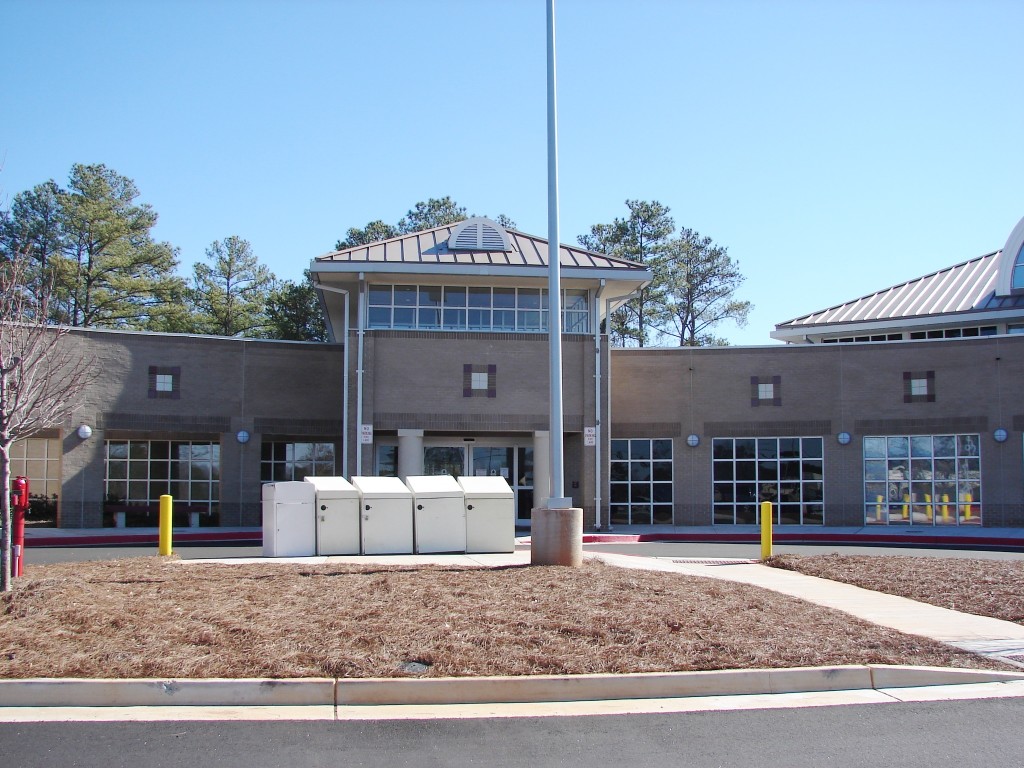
(344, 377)
(360, 331)
(597, 406)
(608, 375)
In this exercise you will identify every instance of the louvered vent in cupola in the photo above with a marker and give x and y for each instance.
(479, 234)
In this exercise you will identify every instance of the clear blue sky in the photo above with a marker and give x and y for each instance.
(835, 147)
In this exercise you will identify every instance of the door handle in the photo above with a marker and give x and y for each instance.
(469, 506)
(419, 506)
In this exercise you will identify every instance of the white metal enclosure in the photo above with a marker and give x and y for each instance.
(386, 512)
(490, 514)
(289, 528)
(439, 513)
(337, 516)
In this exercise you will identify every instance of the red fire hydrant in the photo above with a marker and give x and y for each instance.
(19, 506)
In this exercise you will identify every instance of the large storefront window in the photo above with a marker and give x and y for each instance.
(38, 459)
(473, 308)
(922, 480)
(787, 471)
(641, 482)
(139, 472)
(283, 461)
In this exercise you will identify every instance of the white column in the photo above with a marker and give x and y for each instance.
(541, 468)
(410, 452)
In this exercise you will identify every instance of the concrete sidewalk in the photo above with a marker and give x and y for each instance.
(1002, 640)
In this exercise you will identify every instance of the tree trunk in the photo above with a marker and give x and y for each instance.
(7, 518)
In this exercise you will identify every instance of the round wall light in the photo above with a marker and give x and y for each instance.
(1000, 435)
(843, 438)
(693, 440)
(85, 431)
(242, 436)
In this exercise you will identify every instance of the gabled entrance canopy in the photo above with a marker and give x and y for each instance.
(477, 251)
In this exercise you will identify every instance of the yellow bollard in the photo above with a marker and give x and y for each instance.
(928, 508)
(766, 530)
(945, 507)
(878, 509)
(906, 506)
(967, 507)
(165, 524)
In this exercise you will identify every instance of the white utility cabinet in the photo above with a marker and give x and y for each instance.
(439, 513)
(337, 516)
(490, 514)
(385, 506)
(289, 527)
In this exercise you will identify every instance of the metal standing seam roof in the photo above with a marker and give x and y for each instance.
(430, 246)
(965, 287)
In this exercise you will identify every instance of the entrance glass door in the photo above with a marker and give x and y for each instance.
(444, 460)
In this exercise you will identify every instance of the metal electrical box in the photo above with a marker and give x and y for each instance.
(385, 509)
(439, 513)
(337, 516)
(289, 527)
(490, 514)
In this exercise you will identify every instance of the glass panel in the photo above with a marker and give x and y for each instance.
(480, 297)
(504, 319)
(662, 470)
(897, 447)
(789, 514)
(504, 298)
(874, 447)
(493, 462)
(138, 449)
(944, 445)
(662, 493)
(789, 448)
(620, 492)
(814, 514)
(454, 319)
(620, 514)
(746, 514)
(812, 470)
(767, 470)
(404, 318)
(921, 445)
(724, 515)
(811, 447)
(967, 445)
(430, 296)
(479, 319)
(746, 470)
(813, 492)
(721, 448)
(724, 492)
(429, 318)
(722, 470)
(455, 297)
(662, 449)
(405, 295)
(639, 449)
(387, 460)
(380, 317)
(444, 461)
(640, 515)
(529, 298)
(380, 295)
(662, 514)
(620, 449)
(640, 493)
(619, 471)
(746, 448)
(640, 471)
(789, 470)
(767, 448)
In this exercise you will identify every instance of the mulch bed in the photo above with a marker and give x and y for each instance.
(157, 617)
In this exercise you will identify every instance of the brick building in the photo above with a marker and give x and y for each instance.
(900, 408)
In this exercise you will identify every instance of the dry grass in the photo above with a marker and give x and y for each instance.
(151, 617)
(992, 588)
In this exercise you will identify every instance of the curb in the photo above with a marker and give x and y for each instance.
(56, 692)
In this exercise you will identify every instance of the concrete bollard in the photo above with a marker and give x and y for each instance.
(556, 537)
